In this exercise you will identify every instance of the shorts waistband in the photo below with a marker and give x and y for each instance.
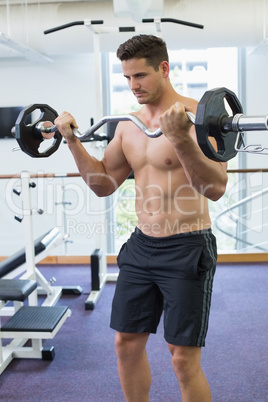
(173, 239)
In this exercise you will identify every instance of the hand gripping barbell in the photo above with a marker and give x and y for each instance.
(211, 120)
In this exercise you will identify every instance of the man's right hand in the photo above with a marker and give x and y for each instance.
(65, 123)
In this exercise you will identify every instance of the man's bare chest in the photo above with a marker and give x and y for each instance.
(142, 151)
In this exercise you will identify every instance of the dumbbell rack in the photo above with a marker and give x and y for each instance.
(28, 322)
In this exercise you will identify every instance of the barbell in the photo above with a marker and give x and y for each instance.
(219, 115)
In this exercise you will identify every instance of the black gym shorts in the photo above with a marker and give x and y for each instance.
(174, 274)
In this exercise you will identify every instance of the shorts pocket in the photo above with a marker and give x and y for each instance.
(119, 256)
(206, 262)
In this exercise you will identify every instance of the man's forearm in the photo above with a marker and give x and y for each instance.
(208, 177)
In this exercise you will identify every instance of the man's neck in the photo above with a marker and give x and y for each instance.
(167, 99)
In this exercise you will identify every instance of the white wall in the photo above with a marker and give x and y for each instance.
(66, 84)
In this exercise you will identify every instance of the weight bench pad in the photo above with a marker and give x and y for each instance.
(19, 258)
(16, 289)
(35, 319)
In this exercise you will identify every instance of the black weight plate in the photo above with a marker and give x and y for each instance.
(29, 138)
(211, 111)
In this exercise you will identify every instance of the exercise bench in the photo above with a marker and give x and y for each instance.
(15, 265)
(29, 323)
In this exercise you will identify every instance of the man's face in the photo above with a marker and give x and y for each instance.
(145, 83)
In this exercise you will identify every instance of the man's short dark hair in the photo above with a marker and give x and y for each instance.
(148, 47)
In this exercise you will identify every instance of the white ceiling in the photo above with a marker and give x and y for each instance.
(25, 2)
(226, 23)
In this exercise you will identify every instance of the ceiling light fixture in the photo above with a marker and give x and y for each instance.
(24, 50)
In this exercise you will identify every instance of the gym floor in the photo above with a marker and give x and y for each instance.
(234, 359)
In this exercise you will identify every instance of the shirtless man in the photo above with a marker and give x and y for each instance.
(168, 264)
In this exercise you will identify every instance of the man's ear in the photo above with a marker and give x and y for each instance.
(164, 66)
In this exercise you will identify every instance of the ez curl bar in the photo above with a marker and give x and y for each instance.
(212, 119)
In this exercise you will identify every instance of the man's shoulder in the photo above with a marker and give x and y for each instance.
(187, 100)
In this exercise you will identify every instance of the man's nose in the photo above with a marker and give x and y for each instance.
(133, 83)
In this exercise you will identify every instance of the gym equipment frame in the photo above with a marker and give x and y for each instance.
(19, 283)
